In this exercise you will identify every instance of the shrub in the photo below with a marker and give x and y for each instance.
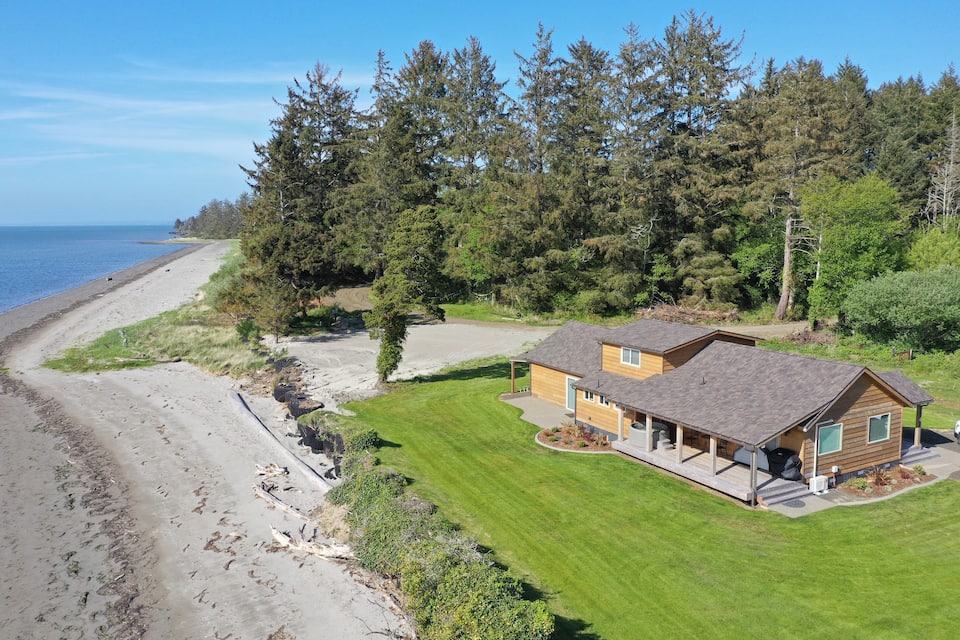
(919, 310)
(860, 484)
(248, 330)
(880, 477)
(919, 470)
(451, 590)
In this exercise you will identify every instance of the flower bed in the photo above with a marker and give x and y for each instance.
(573, 437)
(882, 482)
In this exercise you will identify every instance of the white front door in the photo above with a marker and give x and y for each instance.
(571, 394)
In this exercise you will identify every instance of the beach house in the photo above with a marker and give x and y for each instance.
(710, 406)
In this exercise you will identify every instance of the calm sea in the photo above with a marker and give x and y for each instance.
(36, 262)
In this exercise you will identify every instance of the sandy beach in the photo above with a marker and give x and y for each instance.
(128, 507)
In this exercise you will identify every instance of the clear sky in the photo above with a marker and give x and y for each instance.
(139, 112)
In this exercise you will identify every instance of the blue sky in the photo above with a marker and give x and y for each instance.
(128, 112)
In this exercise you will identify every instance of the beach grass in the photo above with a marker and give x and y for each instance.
(195, 333)
(621, 551)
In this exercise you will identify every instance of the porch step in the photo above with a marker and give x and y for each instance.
(783, 491)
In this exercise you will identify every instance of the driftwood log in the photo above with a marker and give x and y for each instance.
(262, 492)
(299, 543)
(309, 472)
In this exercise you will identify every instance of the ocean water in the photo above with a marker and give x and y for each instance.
(36, 262)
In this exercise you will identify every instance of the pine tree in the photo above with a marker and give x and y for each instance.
(696, 71)
(410, 280)
(287, 235)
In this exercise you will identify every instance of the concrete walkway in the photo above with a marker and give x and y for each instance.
(538, 412)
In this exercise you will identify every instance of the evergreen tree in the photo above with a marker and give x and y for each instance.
(410, 280)
(287, 236)
(476, 120)
(538, 263)
(636, 227)
(364, 212)
(899, 138)
(696, 71)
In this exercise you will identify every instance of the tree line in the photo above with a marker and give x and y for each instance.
(667, 170)
(216, 220)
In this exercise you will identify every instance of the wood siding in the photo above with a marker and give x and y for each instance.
(650, 363)
(548, 384)
(854, 409)
(597, 415)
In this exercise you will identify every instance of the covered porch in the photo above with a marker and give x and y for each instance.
(718, 473)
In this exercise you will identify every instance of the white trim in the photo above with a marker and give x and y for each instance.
(588, 395)
(887, 437)
(820, 440)
(628, 361)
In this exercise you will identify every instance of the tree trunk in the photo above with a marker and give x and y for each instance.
(786, 288)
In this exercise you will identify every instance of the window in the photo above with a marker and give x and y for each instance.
(604, 401)
(630, 356)
(879, 428)
(588, 396)
(831, 437)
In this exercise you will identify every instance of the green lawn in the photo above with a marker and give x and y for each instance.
(622, 551)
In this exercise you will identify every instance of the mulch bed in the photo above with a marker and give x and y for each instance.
(566, 439)
(891, 481)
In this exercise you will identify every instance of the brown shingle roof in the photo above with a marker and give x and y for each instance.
(573, 348)
(739, 393)
(656, 336)
(906, 387)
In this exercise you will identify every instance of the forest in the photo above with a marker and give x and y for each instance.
(668, 170)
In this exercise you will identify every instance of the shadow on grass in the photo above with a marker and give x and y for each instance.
(568, 629)
(483, 369)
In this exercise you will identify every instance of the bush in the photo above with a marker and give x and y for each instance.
(473, 600)
(248, 330)
(450, 588)
(908, 309)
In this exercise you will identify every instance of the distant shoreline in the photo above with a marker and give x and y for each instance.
(33, 313)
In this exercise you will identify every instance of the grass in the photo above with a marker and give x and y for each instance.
(619, 550)
(486, 312)
(195, 333)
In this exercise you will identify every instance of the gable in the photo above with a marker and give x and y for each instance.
(573, 348)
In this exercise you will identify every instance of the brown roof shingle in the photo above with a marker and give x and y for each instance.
(906, 387)
(656, 336)
(573, 348)
(739, 393)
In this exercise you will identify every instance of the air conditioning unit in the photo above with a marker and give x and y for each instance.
(818, 484)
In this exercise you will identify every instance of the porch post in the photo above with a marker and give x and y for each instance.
(620, 423)
(917, 430)
(753, 476)
(713, 455)
(649, 442)
(679, 444)
(513, 376)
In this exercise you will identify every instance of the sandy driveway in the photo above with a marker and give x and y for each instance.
(129, 508)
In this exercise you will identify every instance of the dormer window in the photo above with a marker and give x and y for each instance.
(630, 356)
